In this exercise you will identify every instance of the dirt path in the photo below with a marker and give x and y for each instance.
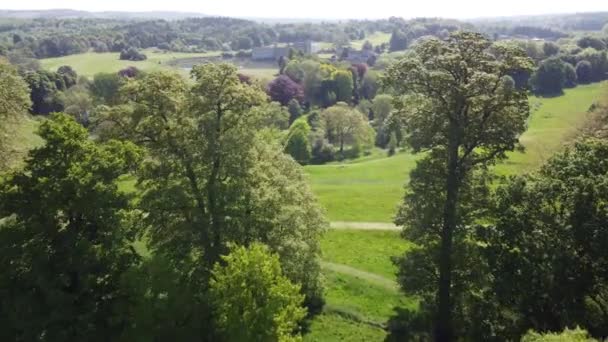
(363, 225)
(371, 277)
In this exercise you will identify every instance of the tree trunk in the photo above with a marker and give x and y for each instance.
(443, 326)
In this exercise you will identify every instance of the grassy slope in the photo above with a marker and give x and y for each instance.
(370, 190)
(22, 138)
(334, 328)
(369, 251)
(356, 306)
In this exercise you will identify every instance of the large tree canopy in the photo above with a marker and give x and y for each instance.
(66, 238)
(456, 99)
(210, 180)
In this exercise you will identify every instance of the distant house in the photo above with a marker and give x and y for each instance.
(355, 56)
(276, 52)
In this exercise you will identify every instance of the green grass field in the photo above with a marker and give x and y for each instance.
(376, 38)
(89, 64)
(367, 250)
(370, 190)
(358, 305)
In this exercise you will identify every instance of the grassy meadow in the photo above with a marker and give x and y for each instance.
(91, 63)
(368, 190)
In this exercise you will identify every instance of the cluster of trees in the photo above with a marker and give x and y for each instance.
(132, 54)
(221, 242)
(536, 241)
(564, 64)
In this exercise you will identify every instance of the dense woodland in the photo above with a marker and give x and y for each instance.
(217, 237)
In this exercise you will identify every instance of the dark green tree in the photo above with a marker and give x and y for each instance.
(546, 245)
(456, 102)
(66, 237)
(550, 77)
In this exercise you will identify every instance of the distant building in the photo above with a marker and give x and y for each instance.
(354, 56)
(276, 52)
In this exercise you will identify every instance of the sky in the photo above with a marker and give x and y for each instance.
(330, 9)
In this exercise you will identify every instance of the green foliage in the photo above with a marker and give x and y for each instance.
(575, 335)
(549, 226)
(209, 180)
(298, 145)
(253, 301)
(66, 232)
(344, 85)
(104, 88)
(345, 126)
(392, 144)
(399, 41)
(550, 49)
(295, 110)
(45, 87)
(550, 77)
(14, 103)
(456, 101)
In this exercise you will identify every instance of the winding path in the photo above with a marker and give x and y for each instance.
(363, 225)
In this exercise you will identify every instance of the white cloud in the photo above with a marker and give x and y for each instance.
(327, 8)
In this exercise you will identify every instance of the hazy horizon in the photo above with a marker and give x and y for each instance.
(319, 9)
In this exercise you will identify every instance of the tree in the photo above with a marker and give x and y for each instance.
(45, 87)
(369, 85)
(283, 62)
(14, 103)
(550, 49)
(399, 41)
(295, 110)
(550, 77)
(345, 126)
(70, 77)
(344, 85)
(78, 103)
(584, 72)
(105, 88)
(460, 107)
(132, 54)
(591, 42)
(129, 72)
(67, 238)
(252, 299)
(550, 227)
(298, 145)
(570, 76)
(210, 179)
(283, 89)
(382, 107)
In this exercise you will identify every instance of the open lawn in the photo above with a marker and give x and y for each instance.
(371, 190)
(333, 327)
(89, 64)
(367, 250)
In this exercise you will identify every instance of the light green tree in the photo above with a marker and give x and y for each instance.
(210, 180)
(298, 144)
(253, 300)
(344, 85)
(345, 126)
